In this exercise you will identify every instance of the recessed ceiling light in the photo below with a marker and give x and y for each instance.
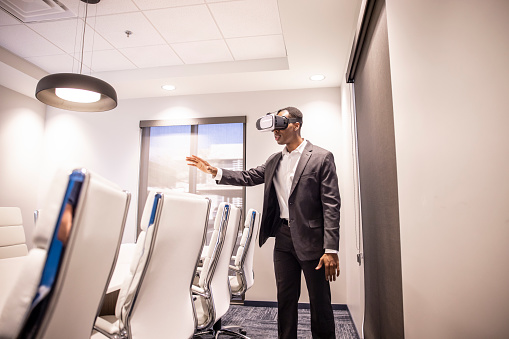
(168, 87)
(317, 77)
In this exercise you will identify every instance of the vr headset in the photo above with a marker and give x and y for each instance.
(272, 121)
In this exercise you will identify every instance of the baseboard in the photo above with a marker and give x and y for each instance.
(256, 303)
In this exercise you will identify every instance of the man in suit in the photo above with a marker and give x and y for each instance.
(301, 207)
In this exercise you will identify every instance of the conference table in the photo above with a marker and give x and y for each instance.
(10, 268)
(122, 267)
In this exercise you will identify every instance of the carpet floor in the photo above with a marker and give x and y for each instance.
(261, 322)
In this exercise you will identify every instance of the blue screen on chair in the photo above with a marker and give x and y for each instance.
(55, 249)
(157, 198)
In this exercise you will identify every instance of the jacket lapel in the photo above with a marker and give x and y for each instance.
(306, 155)
(270, 168)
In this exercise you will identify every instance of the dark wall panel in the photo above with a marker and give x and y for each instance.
(378, 184)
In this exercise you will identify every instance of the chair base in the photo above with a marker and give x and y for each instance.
(216, 330)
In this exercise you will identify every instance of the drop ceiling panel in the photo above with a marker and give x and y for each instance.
(152, 56)
(36, 10)
(247, 18)
(259, 47)
(203, 52)
(7, 19)
(113, 27)
(110, 60)
(155, 4)
(63, 63)
(24, 42)
(67, 35)
(184, 24)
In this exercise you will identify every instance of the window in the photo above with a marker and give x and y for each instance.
(165, 145)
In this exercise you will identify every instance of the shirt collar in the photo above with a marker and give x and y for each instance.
(299, 149)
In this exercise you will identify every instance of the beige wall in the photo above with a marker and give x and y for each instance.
(21, 139)
(450, 82)
(109, 144)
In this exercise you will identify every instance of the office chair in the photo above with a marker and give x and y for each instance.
(155, 299)
(61, 285)
(12, 234)
(243, 266)
(212, 293)
(243, 260)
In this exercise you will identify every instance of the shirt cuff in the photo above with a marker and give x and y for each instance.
(219, 174)
(331, 251)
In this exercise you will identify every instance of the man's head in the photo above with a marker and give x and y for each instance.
(293, 112)
(292, 133)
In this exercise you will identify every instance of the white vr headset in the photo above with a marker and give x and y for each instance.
(272, 121)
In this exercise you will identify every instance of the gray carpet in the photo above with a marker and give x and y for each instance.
(261, 322)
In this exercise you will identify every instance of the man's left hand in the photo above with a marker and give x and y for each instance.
(331, 263)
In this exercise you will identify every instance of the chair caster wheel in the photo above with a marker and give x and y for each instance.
(242, 332)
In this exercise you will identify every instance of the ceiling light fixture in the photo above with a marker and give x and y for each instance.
(168, 87)
(317, 77)
(77, 92)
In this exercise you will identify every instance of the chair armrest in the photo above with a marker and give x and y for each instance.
(106, 328)
(200, 291)
(235, 268)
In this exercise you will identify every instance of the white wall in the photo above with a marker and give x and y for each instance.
(21, 138)
(108, 143)
(450, 77)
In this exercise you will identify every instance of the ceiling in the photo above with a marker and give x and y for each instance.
(198, 46)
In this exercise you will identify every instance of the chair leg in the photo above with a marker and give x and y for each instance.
(205, 332)
(231, 333)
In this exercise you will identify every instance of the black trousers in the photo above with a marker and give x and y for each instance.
(288, 268)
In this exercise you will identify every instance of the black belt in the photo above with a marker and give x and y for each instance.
(285, 222)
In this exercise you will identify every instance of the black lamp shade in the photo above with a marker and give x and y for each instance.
(45, 92)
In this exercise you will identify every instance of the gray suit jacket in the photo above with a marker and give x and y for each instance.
(314, 201)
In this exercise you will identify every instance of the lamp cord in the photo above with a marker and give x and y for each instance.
(83, 38)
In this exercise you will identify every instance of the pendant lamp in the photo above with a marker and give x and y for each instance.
(77, 92)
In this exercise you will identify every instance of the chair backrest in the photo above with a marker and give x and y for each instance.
(12, 234)
(60, 288)
(139, 259)
(214, 275)
(243, 264)
(215, 245)
(220, 285)
(179, 228)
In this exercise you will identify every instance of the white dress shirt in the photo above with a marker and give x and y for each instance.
(284, 177)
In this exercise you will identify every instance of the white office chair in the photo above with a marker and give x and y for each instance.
(12, 234)
(243, 267)
(155, 299)
(60, 287)
(243, 260)
(212, 294)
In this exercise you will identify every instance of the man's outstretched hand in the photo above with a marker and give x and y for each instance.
(331, 263)
(201, 164)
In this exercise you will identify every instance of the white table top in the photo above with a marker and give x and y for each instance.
(9, 271)
(11, 267)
